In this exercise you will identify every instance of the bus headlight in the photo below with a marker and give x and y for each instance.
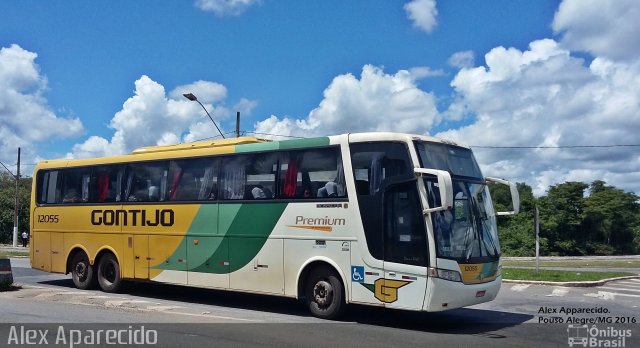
(445, 274)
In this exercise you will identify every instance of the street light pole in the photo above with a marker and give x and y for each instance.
(192, 97)
(17, 207)
(17, 202)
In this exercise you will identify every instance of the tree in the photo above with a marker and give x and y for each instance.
(517, 233)
(561, 216)
(611, 220)
(7, 205)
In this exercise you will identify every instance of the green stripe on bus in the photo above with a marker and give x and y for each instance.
(230, 244)
(284, 145)
(304, 143)
(265, 146)
(249, 231)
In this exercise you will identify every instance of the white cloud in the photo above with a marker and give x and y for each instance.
(226, 7)
(208, 92)
(421, 72)
(604, 28)
(25, 116)
(375, 102)
(463, 59)
(153, 117)
(423, 14)
(545, 97)
(245, 106)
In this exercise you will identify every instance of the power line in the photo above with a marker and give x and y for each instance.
(555, 147)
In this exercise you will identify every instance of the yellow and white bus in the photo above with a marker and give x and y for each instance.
(384, 219)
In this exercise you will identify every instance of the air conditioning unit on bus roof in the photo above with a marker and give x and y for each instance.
(198, 145)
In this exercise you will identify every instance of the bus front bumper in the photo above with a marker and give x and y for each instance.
(443, 294)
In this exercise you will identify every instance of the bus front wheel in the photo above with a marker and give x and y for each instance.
(324, 293)
(109, 273)
(82, 272)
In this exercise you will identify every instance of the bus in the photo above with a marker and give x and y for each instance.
(384, 219)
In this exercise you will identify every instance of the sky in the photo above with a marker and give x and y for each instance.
(532, 86)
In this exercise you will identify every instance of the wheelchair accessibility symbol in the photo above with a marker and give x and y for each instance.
(357, 274)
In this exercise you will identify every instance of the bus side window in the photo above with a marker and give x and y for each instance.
(192, 179)
(405, 235)
(312, 173)
(75, 185)
(49, 188)
(234, 177)
(373, 165)
(147, 182)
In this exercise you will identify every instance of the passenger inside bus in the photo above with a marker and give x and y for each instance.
(71, 196)
(330, 189)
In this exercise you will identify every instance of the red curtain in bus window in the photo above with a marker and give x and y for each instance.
(103, 187)
(290, 179)
(174, 184)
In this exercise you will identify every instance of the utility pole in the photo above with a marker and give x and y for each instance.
(537, 218)
(17, 205)
(238, 124)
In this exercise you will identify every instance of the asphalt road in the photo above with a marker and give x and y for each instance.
(521, 316)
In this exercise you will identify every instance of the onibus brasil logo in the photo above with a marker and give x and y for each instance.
(585, 336)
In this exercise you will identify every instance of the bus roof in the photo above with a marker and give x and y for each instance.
(235, 145)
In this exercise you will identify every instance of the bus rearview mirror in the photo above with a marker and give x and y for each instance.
(515, 196)
(444, 185)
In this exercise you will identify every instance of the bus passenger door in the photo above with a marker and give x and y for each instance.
(168, 259)
(41, 245)
(263, 272)
(208, 261)
(405, 248)
(58, 255)
(141, 256)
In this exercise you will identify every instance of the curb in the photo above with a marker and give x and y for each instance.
(584, 284)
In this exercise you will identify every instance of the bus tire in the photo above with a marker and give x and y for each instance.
(82, 272)
(109, 273)
(324, 293)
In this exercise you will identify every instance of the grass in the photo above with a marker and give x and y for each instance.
(12, 253)
(577, 264)
(559, 276)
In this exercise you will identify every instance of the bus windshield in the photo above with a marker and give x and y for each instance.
(467, 232)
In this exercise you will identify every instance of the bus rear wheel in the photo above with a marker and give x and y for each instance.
(324, 293)
(109, 273)
(82, 272)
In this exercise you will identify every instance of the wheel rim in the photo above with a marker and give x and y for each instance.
(81, 271)
(323, 293)
(109, 272)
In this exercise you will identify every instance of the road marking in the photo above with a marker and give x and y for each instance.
(82, 293)
(216, 317)
(46, 294)
(558, 292)
(119, 303)
(603, 295)
(163, 308)
(618, 288)
(628, 283)
(520, 287)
